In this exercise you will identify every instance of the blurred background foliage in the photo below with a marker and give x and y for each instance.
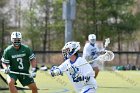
(40, 22)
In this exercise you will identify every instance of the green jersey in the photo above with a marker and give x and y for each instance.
(19, 60)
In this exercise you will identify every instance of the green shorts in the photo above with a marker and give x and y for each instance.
(23, 79)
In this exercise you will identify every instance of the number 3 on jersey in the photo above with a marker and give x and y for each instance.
(20, 63)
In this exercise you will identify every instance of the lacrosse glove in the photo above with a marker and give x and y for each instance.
(33, 73)
(55, 71)
(7, 70)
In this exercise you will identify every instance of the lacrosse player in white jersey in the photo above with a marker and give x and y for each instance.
(81, 76)
(91, 52)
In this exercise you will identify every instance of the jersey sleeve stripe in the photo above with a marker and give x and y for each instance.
(4, 60)
(32, 56)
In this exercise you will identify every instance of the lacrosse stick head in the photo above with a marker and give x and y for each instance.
(108, 56)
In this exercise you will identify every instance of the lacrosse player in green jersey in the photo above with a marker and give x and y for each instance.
(18, 57)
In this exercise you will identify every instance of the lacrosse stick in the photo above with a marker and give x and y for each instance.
(19, 73)
(107, 56)
(107, 41)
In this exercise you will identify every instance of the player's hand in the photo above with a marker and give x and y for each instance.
(33, 73)
(55, 71)
(7, 70)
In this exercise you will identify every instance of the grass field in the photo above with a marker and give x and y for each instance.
(108, 82)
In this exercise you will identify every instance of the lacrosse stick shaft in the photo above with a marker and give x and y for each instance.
(82, 64)
(19, 73)
(108, 56)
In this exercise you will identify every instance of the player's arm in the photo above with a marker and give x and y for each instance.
(5, 66)
(32, 58)
(5, 62)
(33, 69)
(87, 54)
(33, 63)
(58, 70)
(85, 51)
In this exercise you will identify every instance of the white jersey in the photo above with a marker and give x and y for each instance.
(90, 52)
(85, 70)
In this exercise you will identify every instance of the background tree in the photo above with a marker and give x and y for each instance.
(105, 18)
(3, 23)
(43, 23)
(33, 25)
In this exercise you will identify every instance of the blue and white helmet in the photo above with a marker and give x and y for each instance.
(70, 49)
(92, 38)
(16, 38)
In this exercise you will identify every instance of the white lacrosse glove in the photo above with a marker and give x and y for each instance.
(33, 73)
(7, 70)
(55, 71)
(107, 41)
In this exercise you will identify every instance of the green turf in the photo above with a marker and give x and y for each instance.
(108, 82)
(119, 82)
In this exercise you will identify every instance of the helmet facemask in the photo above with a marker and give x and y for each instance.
(70, 49)
(92, 41)
(16, 41)
(16, 38)
(92, 38)
(65, 53)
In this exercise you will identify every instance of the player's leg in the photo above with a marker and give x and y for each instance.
(11, 83)
(96, 69)
(28, 81)
(33, 87)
